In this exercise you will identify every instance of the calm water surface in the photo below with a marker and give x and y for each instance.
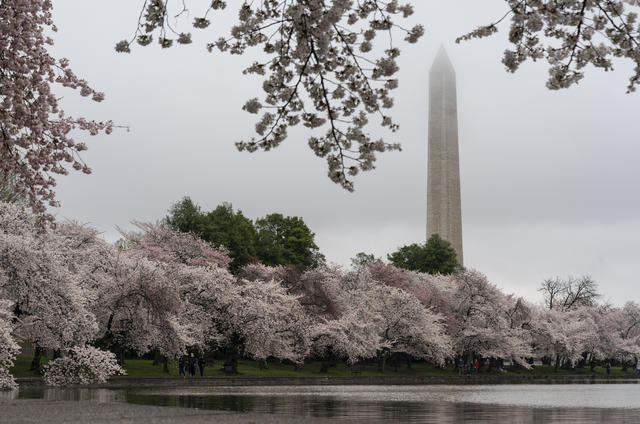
(593, 403)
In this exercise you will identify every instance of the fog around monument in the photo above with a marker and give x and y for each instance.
(548, 178)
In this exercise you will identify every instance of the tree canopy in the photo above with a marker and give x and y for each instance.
(286, 241)
(436, 256)
(272, 240)
(363, 259)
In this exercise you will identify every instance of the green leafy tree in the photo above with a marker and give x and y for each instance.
(436, 256)
(186, 216)
(362, 259)
(286, 241)
(223, 227)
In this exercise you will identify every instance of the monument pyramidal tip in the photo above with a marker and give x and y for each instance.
(444, 211)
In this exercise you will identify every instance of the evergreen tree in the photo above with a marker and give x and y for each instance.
(436, 256)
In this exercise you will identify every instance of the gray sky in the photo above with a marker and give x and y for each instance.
(548, 178)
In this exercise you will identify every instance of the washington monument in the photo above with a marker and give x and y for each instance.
(444, 215)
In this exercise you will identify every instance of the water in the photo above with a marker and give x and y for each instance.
(594, 403)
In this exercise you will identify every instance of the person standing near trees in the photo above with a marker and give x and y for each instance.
(192, 364)
(201, 363)
(181, 366)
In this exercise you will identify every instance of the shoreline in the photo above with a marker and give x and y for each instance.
(120, 382)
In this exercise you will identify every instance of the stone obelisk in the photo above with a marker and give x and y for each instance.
(444, 214)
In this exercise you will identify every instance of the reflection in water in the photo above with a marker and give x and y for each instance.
(66, 394)
(405, 404)
(561, 396)
(390, 411)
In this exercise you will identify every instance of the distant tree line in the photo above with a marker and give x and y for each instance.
(166, 292)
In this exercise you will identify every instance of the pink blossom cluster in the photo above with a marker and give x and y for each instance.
(82, 365)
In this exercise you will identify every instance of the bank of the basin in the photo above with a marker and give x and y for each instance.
(132, 382)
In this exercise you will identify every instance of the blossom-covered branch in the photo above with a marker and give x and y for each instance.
(570, 35)
(320, 70)
(35, 134)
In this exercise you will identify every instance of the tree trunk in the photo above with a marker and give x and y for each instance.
(557, 363)
(394, 361)
(165, 364)
(157, 359)
(382, 362)
(592, 363)
(121, 357)
(492, 364)
(324, 367)
(231, 359)
(36, 362)
(262, 364)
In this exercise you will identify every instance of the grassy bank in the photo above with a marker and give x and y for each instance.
(145, 368)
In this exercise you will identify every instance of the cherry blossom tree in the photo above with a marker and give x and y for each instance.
(350, 337)
(604, 341)
(198, 285)
(142, 309)
(562, 336)
(35, 132)
(570, 35)
(407, 327)
(375, 320)
(266, 321)
(50, 306)
(484, 321)
(159, 242)
(206, 295)
(255, 318)
(8, 347)
(51, 277)
(627, 322)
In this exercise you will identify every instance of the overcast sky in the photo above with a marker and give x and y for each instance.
(549, 179)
